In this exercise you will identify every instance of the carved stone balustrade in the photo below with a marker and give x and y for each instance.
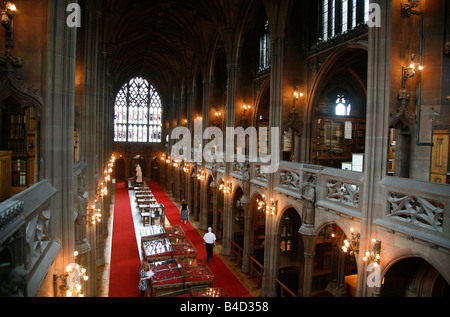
(25, 234)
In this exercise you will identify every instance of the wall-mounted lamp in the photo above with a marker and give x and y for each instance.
(103, 189)
(409, 71)
(408, 8)
(8, 9)
(225, 187)
(201, 176)
(352, 246)
(217, 114)
(72, 280)
(95, 213)
(269, 207)
(296, 96)
(245, 107)
(373, 255)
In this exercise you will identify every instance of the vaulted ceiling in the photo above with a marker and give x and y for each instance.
(162, 39)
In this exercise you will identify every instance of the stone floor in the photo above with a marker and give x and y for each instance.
(103, 272)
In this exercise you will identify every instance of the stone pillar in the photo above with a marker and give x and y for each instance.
(204, 203)
(57, 126)
(196, 195)
(89, 141)
(230, 120)
(376, 145)
(277, 37)
(215, 197)
(248, 238)
(309, 243)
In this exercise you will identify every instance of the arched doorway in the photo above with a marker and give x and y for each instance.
(209, 201)
(291, 250)
(119, 169)
(332, 266)
(414, 277)
(155, 169)
(133, 164)
(259, 229)
(238, 217)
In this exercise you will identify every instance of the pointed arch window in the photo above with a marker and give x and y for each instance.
(264, 49)
(137, 113)
(343, 106)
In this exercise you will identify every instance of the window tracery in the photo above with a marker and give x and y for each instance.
(137, 113)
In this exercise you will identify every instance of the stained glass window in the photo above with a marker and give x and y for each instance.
(137, 113)
(264, 49)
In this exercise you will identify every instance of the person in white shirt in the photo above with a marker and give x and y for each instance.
(209, 240)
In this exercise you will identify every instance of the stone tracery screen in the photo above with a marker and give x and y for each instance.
(137, 113)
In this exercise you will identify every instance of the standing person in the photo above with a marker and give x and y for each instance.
(209, 240)
(184, 213)
(144, 275)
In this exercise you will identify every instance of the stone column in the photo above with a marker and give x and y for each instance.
(57, 126)
(376, 146)
(204, 203)
(230, 121)
(248, 238)
(277, 38)
(309, 243)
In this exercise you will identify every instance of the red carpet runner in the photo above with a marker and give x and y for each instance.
(125, 261)
(223, 277)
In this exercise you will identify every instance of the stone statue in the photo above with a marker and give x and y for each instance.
(309, 197)
(138, 174)
(246, 183)
(81, 242)
(14, 283)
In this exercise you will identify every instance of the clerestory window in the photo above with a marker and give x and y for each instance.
(264, 49)
(340, 16)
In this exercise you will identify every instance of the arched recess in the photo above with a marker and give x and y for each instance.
(342, 79)
(119, 169)
(291, 249)
(20, 112)
(334, 272)
(413, 277)
(155, 169)
(133, 164)
(238, 217)
(209, 200)
(261, 114)
(258, 229)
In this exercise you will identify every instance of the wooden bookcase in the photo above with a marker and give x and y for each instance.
(18, 138)
(336, 139)
(440, 157)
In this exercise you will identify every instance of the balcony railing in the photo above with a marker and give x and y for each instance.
(25, 234)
